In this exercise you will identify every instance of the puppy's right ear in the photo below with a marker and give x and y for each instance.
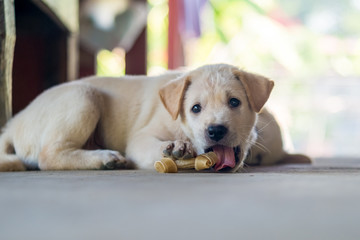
(172, 95)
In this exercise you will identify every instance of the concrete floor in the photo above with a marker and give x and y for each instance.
(319, 201)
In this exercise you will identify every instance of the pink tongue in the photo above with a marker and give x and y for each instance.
(226, 157)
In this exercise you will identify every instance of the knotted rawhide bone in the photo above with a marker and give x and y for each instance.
(201, 162)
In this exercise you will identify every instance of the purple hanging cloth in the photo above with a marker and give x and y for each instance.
(190, 18)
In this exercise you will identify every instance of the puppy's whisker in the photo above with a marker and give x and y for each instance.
(262, 147)
(267, 124)
(245, 126)
(249, 155)
(255, 143)
(242, 169)
(245, 165)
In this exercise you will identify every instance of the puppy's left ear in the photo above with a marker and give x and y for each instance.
(258, 88)
(172, 95)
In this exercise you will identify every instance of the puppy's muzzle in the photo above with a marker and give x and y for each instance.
(216, 132)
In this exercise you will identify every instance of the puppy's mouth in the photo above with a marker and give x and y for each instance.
(228, 157)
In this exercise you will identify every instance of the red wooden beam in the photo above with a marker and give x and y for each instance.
(175, 46)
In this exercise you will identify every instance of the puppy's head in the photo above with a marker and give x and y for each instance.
(218, 106)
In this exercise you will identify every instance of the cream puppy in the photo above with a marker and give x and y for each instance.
(131, 121)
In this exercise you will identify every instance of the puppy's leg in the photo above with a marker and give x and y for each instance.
(144, 150)
(69, 156)
(8, 160)
(268, 148)
(67, 134)
(10, 163)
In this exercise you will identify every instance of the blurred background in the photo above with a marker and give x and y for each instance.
(311, 49)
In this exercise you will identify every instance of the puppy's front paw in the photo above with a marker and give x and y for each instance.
(179, 150)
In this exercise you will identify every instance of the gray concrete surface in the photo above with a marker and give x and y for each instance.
(319, 201)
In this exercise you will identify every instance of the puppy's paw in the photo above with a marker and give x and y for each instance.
(179, 150)
(113, 160)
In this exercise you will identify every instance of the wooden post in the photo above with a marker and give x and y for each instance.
(7, 45)
(72, 57)
(136, 57)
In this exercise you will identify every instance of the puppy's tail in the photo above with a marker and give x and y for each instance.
(8, 159)
(295, 159)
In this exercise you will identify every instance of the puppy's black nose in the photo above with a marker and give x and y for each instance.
(216, 132)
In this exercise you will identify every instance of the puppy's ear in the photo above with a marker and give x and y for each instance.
(172, 95)
(258, 88)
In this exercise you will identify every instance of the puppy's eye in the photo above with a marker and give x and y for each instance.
(196, 108)
(234, 102)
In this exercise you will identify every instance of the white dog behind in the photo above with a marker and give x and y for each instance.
(107, 123)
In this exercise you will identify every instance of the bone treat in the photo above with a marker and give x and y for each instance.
(201, 162)
(166, 165)
(205, 161)
(188, 163)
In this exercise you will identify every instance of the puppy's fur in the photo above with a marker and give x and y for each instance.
(106, 123)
